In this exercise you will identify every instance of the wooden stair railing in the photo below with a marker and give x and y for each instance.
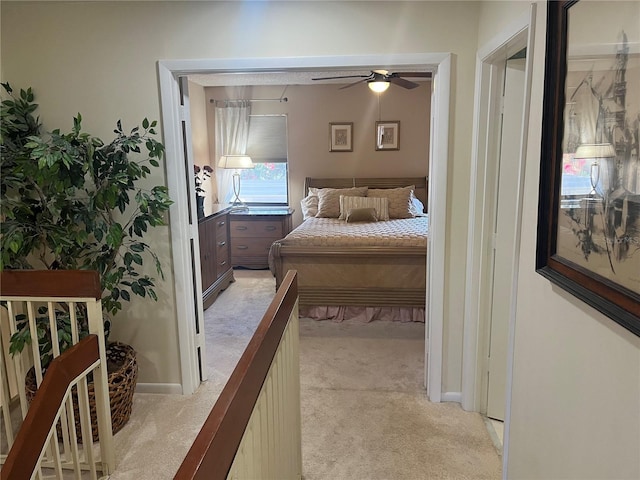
(38, 297)
(253, 430)
(39, 426)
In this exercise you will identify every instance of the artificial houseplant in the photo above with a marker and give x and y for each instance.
(72, 201)
(201, 175)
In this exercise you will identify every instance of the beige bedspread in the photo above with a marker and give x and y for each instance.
(331, 232)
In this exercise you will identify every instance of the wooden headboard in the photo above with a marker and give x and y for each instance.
(394, 182)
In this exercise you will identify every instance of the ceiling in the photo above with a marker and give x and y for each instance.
(283, 78)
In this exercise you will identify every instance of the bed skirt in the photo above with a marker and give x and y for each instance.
(363, 314)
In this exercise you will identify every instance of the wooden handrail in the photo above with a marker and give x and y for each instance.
(50, 283)
(23, 456)
(215, 447)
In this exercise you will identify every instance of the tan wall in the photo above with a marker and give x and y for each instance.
(309, 110)
(99, 58)
(200, 137)
(576, 376)
(495, 16)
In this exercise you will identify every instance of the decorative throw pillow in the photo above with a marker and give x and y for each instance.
(309, 206)
(361, 215)
(381, 206)
(399, 200)
(329, 200)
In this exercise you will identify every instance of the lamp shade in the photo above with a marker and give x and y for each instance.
(378, 86)
(235, 161)
(595, 150)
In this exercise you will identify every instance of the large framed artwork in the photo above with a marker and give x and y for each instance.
(589, 207)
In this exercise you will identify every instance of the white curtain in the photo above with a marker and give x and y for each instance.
(231, 134)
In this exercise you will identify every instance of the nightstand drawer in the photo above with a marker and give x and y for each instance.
(253, 228)
(251, 246)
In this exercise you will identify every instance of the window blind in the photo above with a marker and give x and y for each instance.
(267, 141)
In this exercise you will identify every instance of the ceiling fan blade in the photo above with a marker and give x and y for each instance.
(412, 74)
(355, 83)
(401, 82)
(344, 76)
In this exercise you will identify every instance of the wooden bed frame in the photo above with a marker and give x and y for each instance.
(382, 276)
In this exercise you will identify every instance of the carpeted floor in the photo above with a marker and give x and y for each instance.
(365, 414)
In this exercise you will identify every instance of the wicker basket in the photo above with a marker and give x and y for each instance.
(122, 369)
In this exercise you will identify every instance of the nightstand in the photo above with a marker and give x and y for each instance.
(253, 231)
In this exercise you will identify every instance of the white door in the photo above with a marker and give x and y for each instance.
(505, 232)
(198, 343)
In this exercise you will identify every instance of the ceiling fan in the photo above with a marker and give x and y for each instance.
(379, 80)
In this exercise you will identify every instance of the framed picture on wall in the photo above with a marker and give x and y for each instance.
(341, 137)
(589, 208)
(388, 135)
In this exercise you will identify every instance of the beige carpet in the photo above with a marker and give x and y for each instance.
(365, 414)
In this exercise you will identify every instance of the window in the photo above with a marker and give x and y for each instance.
(267, 147)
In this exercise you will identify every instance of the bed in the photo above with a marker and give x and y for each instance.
(370, 270)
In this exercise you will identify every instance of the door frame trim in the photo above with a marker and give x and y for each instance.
(182, 231)
(517, 35)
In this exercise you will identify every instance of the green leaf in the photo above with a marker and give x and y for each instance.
(137, 289)
(137, 247)
(71, 200)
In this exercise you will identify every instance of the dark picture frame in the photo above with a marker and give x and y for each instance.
(341, 137)
(387, 135)
(588, 240)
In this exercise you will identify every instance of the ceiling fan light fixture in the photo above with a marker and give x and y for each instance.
(378, 86)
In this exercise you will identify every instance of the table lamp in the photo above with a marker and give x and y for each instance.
(236, 162)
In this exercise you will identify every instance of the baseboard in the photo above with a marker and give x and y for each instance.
(451, 397)
(165, 388)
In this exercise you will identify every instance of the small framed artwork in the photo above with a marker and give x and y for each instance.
(341, 137)
(589, 209)
(387, 135)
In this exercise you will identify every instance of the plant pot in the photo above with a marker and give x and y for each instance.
(122, 376)
(200, 206)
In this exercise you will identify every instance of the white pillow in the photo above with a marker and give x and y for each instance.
(416, 207)
(309, 205)
(381, 206)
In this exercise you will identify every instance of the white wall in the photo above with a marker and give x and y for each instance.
(99, 58)
(576, 379)
(309, 110)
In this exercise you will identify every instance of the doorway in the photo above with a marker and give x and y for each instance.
(494, 218)
(183, 231)
(504, 233)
